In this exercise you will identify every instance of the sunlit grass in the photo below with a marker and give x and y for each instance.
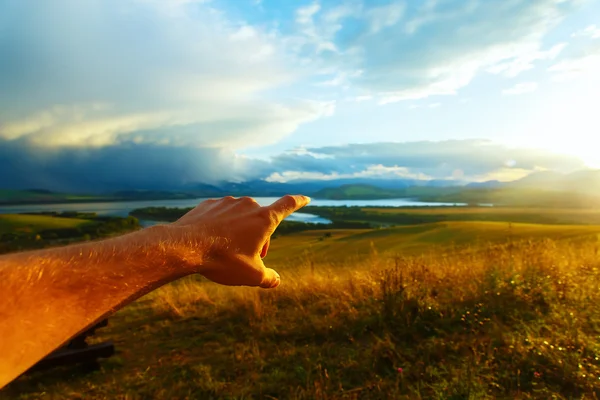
(34, 223)
(512, 320)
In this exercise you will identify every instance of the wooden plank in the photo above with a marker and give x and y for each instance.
(78, 351)
(66, 356)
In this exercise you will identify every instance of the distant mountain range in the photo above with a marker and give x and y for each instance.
(544, 183)
(587, 181)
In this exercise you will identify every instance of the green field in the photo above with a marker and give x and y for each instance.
(419, 215)
(20, 232)
(465, 309)
(343, 245)
(43, 196)
(10, 223)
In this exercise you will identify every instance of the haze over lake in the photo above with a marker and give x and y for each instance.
(123, 208)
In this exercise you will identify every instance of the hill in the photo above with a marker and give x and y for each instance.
(362, 192)
(339, 246)
(41, 196)
(518, 197)
(372, 192)
(389, 216)
(517, 319)
(583, 182)
(15, 223)
(20, 232)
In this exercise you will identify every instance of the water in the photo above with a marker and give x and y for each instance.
(123, 208)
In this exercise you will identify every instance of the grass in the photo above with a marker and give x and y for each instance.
(41, 196)
(344, 246)
(419, 215)
(34, 223)
(516, 316)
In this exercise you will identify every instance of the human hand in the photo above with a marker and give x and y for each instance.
(233, 236)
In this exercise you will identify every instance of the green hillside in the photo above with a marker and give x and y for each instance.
(518, 197)
(14, 223)
(43, 196)
(514, 195)
(20, 232)
(418, 215)
(340, 246)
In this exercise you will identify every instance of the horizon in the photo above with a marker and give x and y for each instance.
(151, 94)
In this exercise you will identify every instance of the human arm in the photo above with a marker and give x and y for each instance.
(51, 295)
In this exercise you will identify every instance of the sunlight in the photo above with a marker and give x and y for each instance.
(567, 122)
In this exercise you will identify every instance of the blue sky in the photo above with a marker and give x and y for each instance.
(114, 92)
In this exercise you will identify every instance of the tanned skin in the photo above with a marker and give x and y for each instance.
(51, 295)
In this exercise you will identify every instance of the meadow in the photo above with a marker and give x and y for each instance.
(34, 231)
(463, 309)
(14, 223)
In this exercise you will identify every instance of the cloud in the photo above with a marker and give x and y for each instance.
(377, 171)
(475, 159)
(410, 51)
(102, 73)
(591, 31)
(582, 60)
(151, 93)
(152, 166)
(526, 62)
(114, 167)
(430, 105)
(385, 16)
(521, 88)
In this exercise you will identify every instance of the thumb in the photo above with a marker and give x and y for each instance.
(270, 279)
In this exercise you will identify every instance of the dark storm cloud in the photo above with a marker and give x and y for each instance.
(144, 166)
(119, 167)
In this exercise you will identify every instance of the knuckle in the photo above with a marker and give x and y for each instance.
(291, 201)
(247, 200)
(228, 198)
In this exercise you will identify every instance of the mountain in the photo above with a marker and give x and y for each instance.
(541, 179)
(584, 182)
(358, 192)
(487, 184)
(372, 192)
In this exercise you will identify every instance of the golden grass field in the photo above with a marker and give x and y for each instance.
(451, 310)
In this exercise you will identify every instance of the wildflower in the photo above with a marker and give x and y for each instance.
(537, 374)
(400, 370)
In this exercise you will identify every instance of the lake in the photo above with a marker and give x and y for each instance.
(122, 208)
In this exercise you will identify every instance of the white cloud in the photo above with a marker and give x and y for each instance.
(385, 16)
(526, 61)
(592, 32)
(454, 159)
(360, 99)
(573, 67)
(176, 73)
(304, 15)
(436, 50)
(310, 34)
(503, 175)
(521, 88)
(376, 171)
(430, 105)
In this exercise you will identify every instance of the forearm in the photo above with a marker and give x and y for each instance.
(52, 295)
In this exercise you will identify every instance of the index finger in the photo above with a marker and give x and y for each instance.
(286, 205)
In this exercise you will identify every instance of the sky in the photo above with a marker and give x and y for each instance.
(99, 94)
